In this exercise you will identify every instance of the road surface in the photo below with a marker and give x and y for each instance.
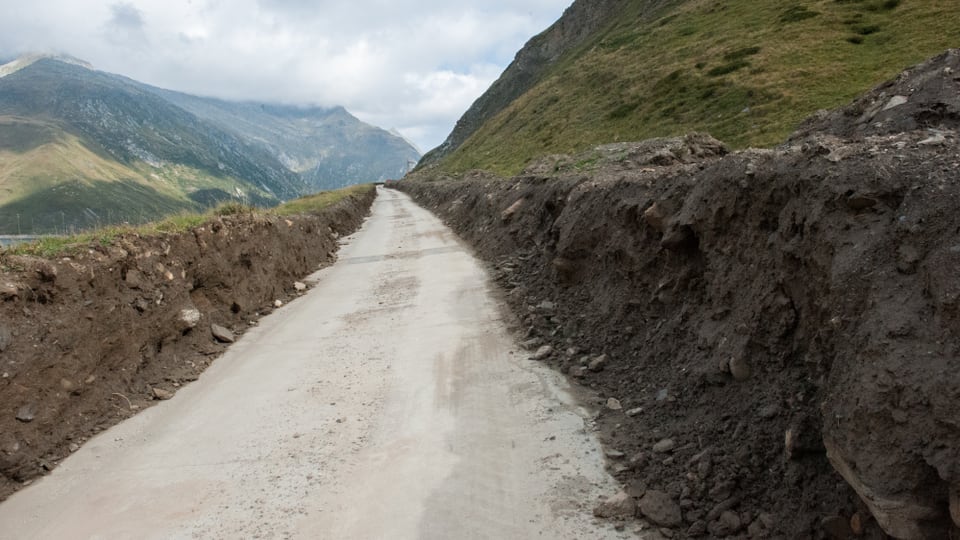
(388, 402)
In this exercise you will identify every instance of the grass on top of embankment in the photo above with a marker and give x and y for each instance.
(52, 246)
(318, 201)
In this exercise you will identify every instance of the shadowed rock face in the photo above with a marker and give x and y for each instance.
(787, 317)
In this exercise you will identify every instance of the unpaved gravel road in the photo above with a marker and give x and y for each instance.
(388, 402)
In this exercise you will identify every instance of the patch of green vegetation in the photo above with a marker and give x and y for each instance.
(622, 111)
(797, 14)
(616, 42)
(602, 95)
(312, 204)
(175, 224)
(728, 68)
(21, 135)
(52, 246)
(885, 5)
(740, 54)
(232, 209)
(866, 29)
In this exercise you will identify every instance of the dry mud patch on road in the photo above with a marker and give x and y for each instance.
(89, 339)
(774, 334)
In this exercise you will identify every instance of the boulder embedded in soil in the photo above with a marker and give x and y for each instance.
(664, 446)
(728, 523)
(542, 352)
(578, 372)
(614, 404)
(188, 318)
(161, 394)
(660, 509)
(222, 334)
(619, 505)
(655, 217)
(740, 368)
(27, 413)
(598, 363)
(900, 516)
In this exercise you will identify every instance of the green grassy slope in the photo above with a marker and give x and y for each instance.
(55, 181)
(746, 71)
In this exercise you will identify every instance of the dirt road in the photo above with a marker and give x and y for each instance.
(388, 402)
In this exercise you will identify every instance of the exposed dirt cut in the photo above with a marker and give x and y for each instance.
(89, 339)
(769, 318)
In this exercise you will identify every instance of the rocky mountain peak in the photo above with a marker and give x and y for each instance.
(29, 59)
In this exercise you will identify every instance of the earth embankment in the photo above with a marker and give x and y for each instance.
(780, 328)
(90, 338)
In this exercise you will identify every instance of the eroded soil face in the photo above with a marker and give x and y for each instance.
(781, 317)
(92, 338)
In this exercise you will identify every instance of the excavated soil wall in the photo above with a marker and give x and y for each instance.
(89, 339)
(763, 320)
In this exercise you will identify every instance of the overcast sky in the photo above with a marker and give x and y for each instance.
(411, 65)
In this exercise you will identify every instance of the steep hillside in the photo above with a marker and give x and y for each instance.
(328, 147)
(746, 72)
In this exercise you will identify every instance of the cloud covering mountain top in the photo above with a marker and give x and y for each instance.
(413, 66)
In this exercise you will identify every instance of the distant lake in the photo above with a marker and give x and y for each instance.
(14, 239)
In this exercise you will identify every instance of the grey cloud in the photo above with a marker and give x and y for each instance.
(127, 16)
(126, 25)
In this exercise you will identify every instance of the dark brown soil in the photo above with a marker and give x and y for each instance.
(89, 339)
(759, 307)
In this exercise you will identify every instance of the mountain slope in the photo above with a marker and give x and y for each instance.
(747, 72)
(81, 148)
(328, 147)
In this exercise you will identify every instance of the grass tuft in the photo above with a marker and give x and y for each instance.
(797, 14)
(728, 68)
(317, 202)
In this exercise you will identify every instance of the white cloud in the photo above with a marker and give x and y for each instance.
(414, 66)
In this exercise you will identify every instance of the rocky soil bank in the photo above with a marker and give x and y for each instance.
(89, 339)
(774, 334)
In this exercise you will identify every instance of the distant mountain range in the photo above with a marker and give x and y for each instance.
(81, 148)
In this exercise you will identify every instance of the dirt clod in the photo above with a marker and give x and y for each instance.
(664, 446)
(27, 413)
(619, 505)
(660, 509)
(161, 394)
(542, 353)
